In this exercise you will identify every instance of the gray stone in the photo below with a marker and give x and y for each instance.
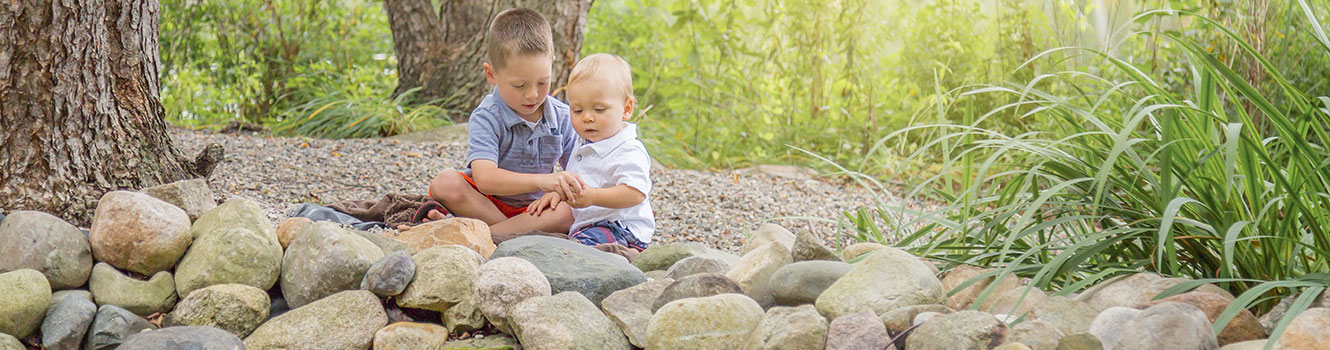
(802, 282)
(768, 233)
(1069, 315)
(900, 319)
(695, 286)
(387, 244)
(1131, 290)
(501, 283)
(409, 336)
(8, 342)
(42, 242)
(754, 270)
(567, 320)
(464, 317)
(323, 260)
(346, 320)
(234, 308)
(229, 256)
(109, 286)
(236, 212)
(571, 266)
(957, 331)
(111, 326)
(1108, 325)
(696, 264)
(390, 275)
(854, 251)
(790, 328)
(655, 275)
(808, 247)
(67, 323)
(1175, 326)
(1244, 326)
(887, 279)
(631, 308)
(136, 232)
(716, 322)
(857, 331)
(663, 256)
(445, 276)
(1080, 341)
(1307, 331)
(57, 297)
(925, 316)
(1036, 334)
(24, 295)
(192, 338)
(193, 196)
(1017, 302)
(964, 273)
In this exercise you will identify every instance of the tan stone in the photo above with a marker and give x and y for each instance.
(136, 232)
(1244, 327)
(287, 230)
(857, 249)
(963, 273)
(466, 232)
(410, 335)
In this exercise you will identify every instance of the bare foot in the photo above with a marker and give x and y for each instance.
(433, 215)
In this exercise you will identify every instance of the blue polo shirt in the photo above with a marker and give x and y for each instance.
(495, 132)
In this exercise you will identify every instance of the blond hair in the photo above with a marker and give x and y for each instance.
(518, 31)
(610, 67)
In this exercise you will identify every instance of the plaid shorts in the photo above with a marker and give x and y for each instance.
(607, 232)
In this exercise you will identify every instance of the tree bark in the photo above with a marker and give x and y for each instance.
(80, 108)
(442, 52)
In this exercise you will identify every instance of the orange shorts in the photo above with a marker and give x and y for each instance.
(507, 210)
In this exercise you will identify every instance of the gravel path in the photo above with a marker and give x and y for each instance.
(715, 208)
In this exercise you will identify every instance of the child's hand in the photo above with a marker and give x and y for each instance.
(548, 201)
(566, 184)
(582, 201)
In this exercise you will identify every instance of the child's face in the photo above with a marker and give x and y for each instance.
(523, 83)
(598, 108)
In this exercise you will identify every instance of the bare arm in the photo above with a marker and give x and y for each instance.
(617, 197)
(492, 180)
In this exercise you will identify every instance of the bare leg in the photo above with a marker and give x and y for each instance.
(550, 223)
(451, 190)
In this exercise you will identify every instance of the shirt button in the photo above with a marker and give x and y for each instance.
(530, 142)
(579, 158)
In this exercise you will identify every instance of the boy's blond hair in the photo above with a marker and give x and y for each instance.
(611, 67)
(518, 31)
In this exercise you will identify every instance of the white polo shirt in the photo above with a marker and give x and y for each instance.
(618, 160)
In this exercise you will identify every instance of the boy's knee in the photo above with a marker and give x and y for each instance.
(447, 186)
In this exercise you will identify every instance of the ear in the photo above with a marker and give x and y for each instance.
(628, 108)
(489, 75)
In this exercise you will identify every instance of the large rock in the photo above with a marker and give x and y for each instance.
(1036, 334)
(802, 282)
(754, 270)
(1019, 301)
(902, 318)
(964, 273)
(1108, 325)
(59, 296)
(234, 308)
(1169, 325)
(236, 212)
(661, 257)
(191, 195)
(694, 265)
(1245, 326)
(67, 323)
(790, 328)
(111, 326)
(716, 322)
(464, 317)
(1130, 290)
(471, 233)
(229, 256)
(24, 295)
(192, 338)
(1307, 331)
(8, 342)
(571, 266)
(289, 228)
(887, 279)
(445, 276)
(695, 286)
(1081, 341)
(346, 320)
(410, 335)
(851, 253)
(111, 287)
(768, 233)
(139, 233)
(631, 308)
(387, 244)
(566, 320)
(958, 331)
(808, 247)
(502, 283)
(858, 331)
(42, 242)
(1070, 316)
(390, 275)
(322, 260)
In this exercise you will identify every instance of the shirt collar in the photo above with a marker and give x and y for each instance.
(510, 117)
(602, 147)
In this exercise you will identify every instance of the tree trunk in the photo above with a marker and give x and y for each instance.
(80, 112)
(442, 52)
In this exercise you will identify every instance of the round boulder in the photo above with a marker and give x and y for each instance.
(768, 233)
(802, 282)
(323, 260)
(193, 338)
(631, 308)
(1307, 331)
(345, 320)
(716, 322)
(571, 266)
(390, 275)
(24, 295)
(694, 265)
(289, 228)
(410, 335)
(566, 320)
(1169, 325)
(192, 195)
(42, 242)
(111, 326)
(136, 232)
(229, 256)
(503, 283)
(695, 286)
(887, 279)
(754, 270)
(662, 256)
(795, 328)
(959, 330)
(234, 308)
(66, 324)
(445, 276)
(858, 331)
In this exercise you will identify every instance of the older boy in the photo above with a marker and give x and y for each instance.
(614, 207)
(516, 136)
